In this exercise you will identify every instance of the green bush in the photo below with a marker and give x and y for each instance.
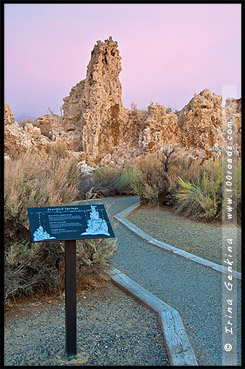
(200, 197)
(108, 181)
(129, 176)
(40, 267)
(108, 177)
(151, 182)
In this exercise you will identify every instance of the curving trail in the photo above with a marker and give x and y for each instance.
(192, 289)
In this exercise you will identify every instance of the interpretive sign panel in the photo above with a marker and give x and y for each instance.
(69, 222)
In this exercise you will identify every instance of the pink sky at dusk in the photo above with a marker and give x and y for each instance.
(169, 51)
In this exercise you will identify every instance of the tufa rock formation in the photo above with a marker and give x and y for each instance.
(41, 139)
(8, 115)
(200, 122)
(97, 128)
(161, 129)
(18, 140)
(94, 109)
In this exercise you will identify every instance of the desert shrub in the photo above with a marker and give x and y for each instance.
(107, 181)
(169, 109)
(41, 266)
(31, 268)
(95, 253)
(167, 178)
(104, 181)
(177, 112)
(30, 181)
(151, 182)
(86, 187)
(108, 176)
(184, 167)
(129, 176)
(147, 178)
(198, 192)
(58, 150)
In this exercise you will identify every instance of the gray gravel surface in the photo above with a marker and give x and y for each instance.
(116, 204)
(112, 329)
(199, 238)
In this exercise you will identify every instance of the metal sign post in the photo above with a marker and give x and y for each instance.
(70, 298)
(69, 223)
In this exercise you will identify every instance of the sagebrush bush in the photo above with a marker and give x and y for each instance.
(198, 191)
(151, 183)
(22, 123)
(129, 176)
(29, 181)
(107, 181)
(108, 177)
(58, 150)
(40, 267)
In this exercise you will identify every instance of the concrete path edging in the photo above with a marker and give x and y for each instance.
(163, 245)
(176, 340)
(128, 210)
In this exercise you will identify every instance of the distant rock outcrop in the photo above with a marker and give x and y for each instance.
(161, 129)
(8, 115)
(41, 140)
(200, 122)
(97, 128)
(18, 140)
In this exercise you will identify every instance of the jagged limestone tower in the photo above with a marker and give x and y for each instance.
(94, 106)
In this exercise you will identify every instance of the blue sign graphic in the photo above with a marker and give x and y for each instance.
(69, 222)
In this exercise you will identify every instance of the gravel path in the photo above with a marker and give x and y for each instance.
(192, 289)
(115, 204)
(112, 329)
(198, 238)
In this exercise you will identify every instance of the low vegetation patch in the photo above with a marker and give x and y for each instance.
(192, 188)
(198, 191)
